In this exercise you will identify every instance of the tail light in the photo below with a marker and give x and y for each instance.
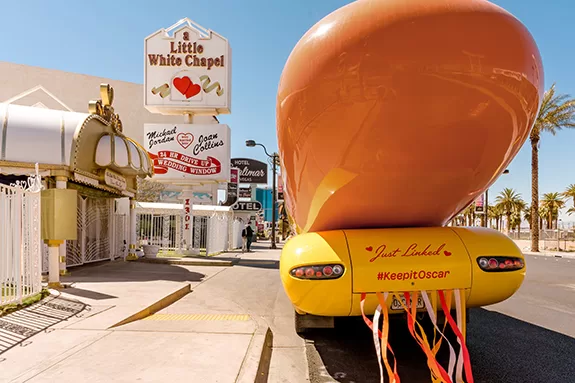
(500, 263)
(317, 272)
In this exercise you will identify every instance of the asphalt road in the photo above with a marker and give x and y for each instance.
(530, 338)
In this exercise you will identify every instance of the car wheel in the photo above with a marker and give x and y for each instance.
(299, 323)
(304, 322)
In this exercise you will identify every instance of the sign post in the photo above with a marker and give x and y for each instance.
(187, 72)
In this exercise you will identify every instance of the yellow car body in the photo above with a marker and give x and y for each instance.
(398, 260)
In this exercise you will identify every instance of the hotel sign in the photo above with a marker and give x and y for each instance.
(251, 171)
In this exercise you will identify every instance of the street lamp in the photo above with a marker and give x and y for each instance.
(486, 219)
(274, 157)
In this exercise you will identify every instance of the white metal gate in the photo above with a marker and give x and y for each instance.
(158, 230)
(94, 232)
(217, 234)
(120, 236)
(20, 242)
(200, 234)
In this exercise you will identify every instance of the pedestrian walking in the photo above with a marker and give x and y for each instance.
(244, 240)
(250, 236)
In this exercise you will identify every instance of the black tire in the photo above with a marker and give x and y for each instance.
(299, 323)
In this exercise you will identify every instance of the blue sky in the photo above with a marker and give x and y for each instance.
(59, 34)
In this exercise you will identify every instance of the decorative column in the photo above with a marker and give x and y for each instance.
(62, 183)
(215, 188)
(53, 263)
(132, 256)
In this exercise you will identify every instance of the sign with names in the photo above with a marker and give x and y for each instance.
(232, 192)
(251, 171)
(245, 193)
(480, 205)
(115, 180)
(189, 153)
(187, 69)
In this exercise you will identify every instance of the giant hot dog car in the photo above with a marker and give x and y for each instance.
(392, 117)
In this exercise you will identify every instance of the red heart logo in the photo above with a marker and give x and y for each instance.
(193, 89)
(182, 84)
(185, 139)
(447, 253)
(369, 248)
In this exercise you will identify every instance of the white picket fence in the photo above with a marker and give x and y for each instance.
(20, 242)
(213, 232)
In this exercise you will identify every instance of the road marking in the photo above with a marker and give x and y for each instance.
(569, 286)
(198, 317)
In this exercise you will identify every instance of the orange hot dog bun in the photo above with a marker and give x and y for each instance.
(400, 113)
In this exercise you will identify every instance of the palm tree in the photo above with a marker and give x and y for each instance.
(516, 217)
(570, 193)
(557, 111)
(552, 202)
(508, 200)
(495, 214)
(543, 217)
(527, 215)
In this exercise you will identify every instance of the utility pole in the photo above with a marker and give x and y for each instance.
(274, 200)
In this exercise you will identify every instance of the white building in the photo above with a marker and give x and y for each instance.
(61, 99)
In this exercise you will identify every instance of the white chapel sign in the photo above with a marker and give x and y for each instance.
(189, 153)
(187, 70)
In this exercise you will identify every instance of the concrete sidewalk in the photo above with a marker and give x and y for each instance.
(525, 247)
(94, 346)
(550, 253)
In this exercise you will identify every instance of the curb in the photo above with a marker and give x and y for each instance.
(187, 262)
(256, 365)
(155, 307)
(550, 255)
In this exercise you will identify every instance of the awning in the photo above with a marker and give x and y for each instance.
(88, 148)
(38, 135)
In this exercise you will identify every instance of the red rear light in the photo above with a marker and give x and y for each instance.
(317, 272)
(500, 263)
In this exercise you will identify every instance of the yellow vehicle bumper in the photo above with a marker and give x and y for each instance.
(396, 260)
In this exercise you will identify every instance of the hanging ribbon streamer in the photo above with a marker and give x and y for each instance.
(393, 376)
(437, 345)
(382, 298)
(457, 330)
(436, 369)
(375, 331)
(438, 374)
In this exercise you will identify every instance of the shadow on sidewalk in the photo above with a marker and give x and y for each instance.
(18, 327)
(121, 271)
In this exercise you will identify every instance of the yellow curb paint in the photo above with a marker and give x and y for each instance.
(198, 317)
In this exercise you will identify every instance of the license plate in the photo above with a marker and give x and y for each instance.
(395, 305)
